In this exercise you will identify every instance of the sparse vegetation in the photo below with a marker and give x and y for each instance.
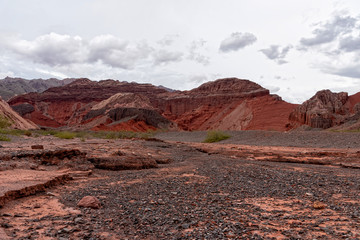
(345, 130)
(82, 135)
(4, 138)
(65, 135)
(4, 123)
(215, 136)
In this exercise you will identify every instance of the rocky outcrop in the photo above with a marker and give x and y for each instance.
(13, 118)
(68, 105)
(10, 87)
(227, 104)
(326, 109)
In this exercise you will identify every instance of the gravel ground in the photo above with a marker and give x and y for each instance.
(214, 197)
(209, 196)
(316, 139)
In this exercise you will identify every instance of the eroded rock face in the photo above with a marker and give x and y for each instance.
(326, 109)
(14, 118)
(226, 104)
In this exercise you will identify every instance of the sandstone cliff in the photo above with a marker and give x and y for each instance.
(14, 118)
(327, 109)
(227, 104)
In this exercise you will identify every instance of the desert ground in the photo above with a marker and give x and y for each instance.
(254, 185)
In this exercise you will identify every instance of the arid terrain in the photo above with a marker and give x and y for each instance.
(254, 185)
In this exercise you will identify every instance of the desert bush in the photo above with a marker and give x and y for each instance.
(14, 132)
(4, 123)
(27, 133)
(215, 136)
(65, 135)
(4, 138)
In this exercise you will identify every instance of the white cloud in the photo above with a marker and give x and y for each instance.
(196, 54)
(63, 50)
(168, 40)
(237, 41)
(51, 49)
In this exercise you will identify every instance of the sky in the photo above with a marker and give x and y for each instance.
(293, 48)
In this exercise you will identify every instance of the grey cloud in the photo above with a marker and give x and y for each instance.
(126, 57)
(350, 44)
(195, 52)
(350, 71)
(237, 41)
(330, 30)
(162, 57)
(274, 52)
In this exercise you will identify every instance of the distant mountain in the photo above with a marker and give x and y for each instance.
(226, 104)
(10, 87)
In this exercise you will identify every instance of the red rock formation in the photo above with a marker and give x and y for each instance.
(67, 105)
(326, 109)
(14, 119)
(228, 104)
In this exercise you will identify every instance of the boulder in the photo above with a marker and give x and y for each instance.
(89, 202)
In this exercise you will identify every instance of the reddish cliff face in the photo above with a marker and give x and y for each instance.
(327, 109)
(14, 119)
(227, 104)
(68, 105)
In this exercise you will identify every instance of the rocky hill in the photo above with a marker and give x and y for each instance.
(13, 118)
(227, 104)
(10, 87)
(327, 109)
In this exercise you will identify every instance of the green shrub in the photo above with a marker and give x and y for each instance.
(65, 135)
(215, 136)
(4, 138)
(27, 133)
(4, 123)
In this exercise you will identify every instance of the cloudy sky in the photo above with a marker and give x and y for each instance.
(294, 48)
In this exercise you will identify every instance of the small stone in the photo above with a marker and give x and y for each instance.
(230, 235)
(89, 202)
(319, 205)
(37, 205)
(33, 166)
(6, 225)
(37, 147)
(78, 220)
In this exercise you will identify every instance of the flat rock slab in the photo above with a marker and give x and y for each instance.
(20, 182)
(3, 235)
